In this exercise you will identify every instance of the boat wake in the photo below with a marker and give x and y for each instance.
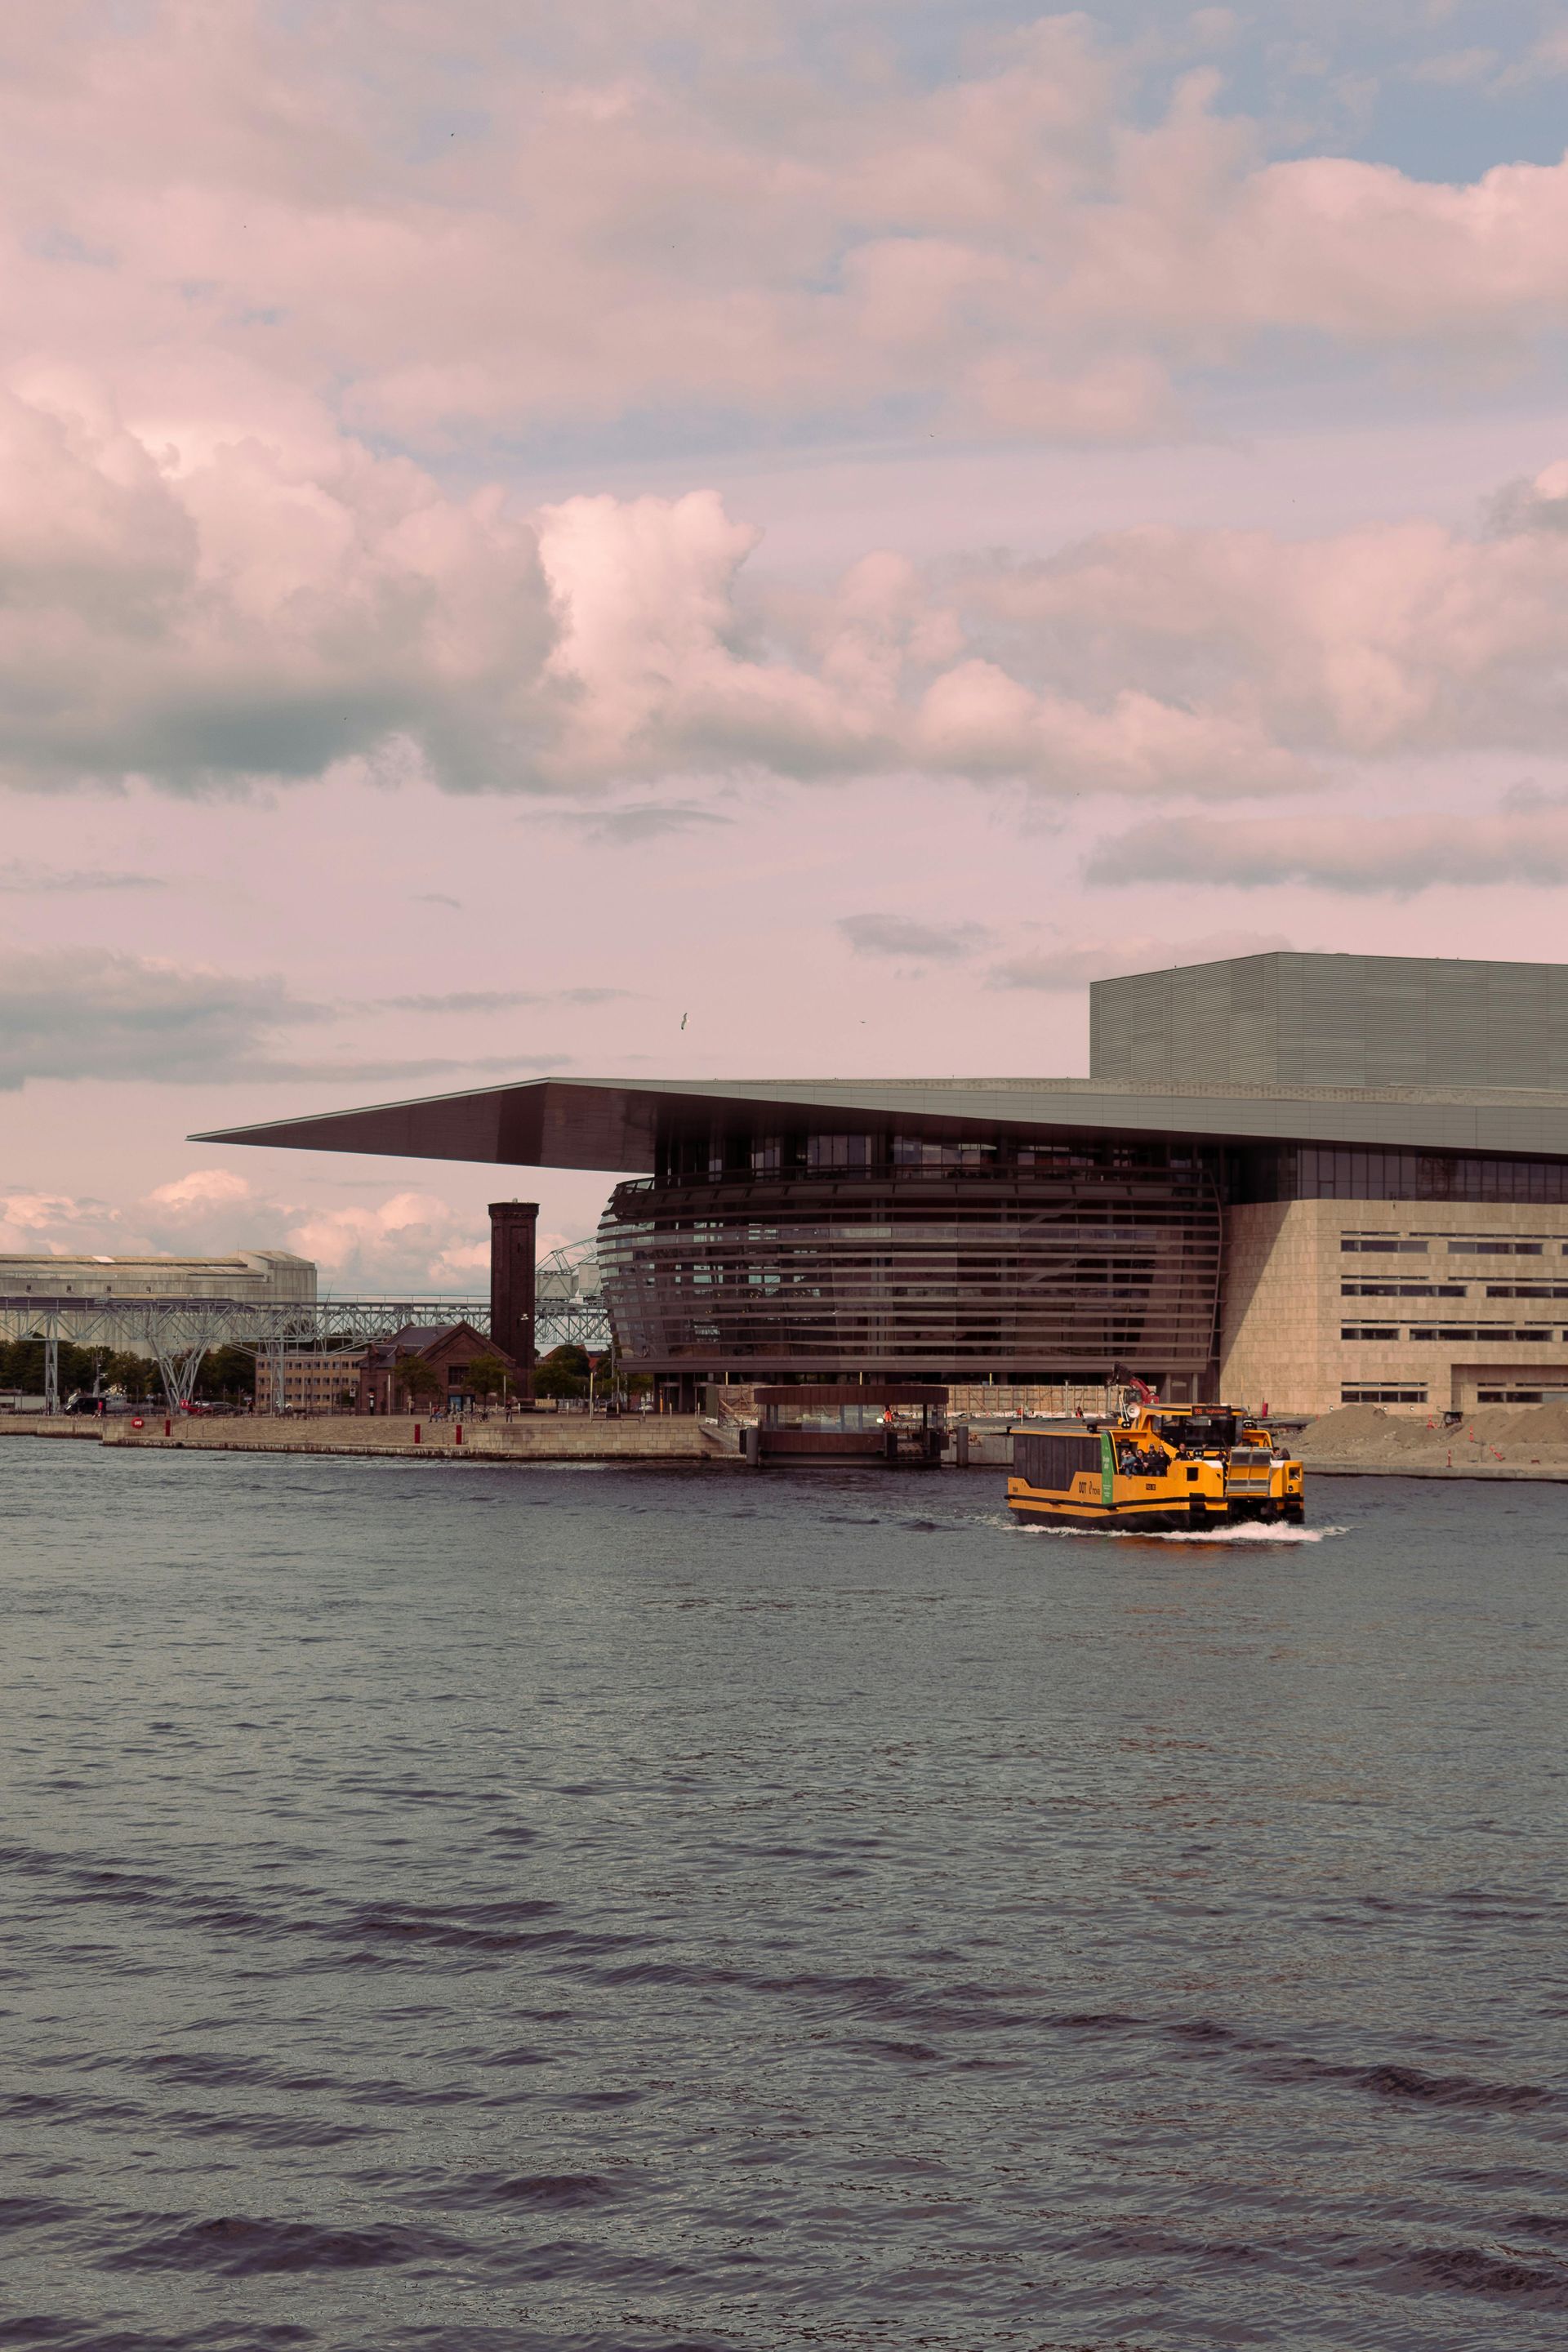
(1250, 1531)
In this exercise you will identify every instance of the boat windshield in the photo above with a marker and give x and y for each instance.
(1194, 1433)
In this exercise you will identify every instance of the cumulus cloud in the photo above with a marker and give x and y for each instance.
(267, 608)
(1073, 965)
(412, 1241)
(459, 221)
(1523, 840)
(216, 567)
(37, 1223)
(1373, 642)
(626, 222)
(78, 1013)
(91, 1014)
(316, 609)
(906, 935)
(276, 611)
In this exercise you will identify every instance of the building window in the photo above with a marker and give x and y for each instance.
(1383, 1244)
(1519, 1396)
(1361, 1396)
(1527, 1290)
(1494, 1249)
(918, 1151)
(838, 1152)
(1405, 1290)
(1335, 1172)
(1369, 1331)
(1533, 1335)
(767, 1155)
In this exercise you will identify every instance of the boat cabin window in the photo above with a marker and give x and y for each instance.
(1053, 1462)
(1195, 1430)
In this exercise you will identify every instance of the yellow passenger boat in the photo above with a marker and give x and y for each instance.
(1158, 1468)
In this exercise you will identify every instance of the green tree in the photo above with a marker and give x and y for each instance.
(22, 1366)
(488, 1376)
(563, 1374)
(228, 1375)
(417, 1378)
(137, 1375)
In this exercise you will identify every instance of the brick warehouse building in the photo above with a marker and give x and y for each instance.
(1298, 1179)
(450, 1350)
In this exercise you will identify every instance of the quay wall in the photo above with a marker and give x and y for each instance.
(1498, 1445)
(661, 1437)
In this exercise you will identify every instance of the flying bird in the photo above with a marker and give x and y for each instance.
(684, 1019)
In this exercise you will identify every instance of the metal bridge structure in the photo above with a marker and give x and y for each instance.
(178, 1334)
(569, 1308)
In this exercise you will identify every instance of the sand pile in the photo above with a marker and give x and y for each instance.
(1515, 1437)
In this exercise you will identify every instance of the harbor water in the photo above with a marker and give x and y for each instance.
(484, 1908)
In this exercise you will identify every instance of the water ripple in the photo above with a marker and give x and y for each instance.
(614, 1912)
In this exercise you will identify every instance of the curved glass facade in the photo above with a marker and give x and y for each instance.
(1049, 1264)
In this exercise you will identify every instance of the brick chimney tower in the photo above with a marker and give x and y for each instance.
(514, 1226)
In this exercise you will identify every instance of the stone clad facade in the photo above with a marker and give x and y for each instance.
(1403, 1303)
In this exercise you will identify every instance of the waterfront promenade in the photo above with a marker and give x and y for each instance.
(547, 1437)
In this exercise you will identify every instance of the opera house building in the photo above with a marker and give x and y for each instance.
(1299, 1180)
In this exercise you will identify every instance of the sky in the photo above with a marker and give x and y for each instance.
(713, 539)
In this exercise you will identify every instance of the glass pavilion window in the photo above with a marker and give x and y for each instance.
(849, 1151)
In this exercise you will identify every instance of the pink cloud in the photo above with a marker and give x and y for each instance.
(291, 606)
(412, 1240)
(239, 260)
(1373, 642)
(624, 222)
(1522, 842)
(1069, 968)
(976, 720)
(257, 608)
(298, 605)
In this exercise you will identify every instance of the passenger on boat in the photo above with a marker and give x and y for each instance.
(1140, 1462)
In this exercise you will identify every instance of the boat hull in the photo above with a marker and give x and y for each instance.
(1153, 1518)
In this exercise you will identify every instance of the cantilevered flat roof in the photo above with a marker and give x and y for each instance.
(614, 1123)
